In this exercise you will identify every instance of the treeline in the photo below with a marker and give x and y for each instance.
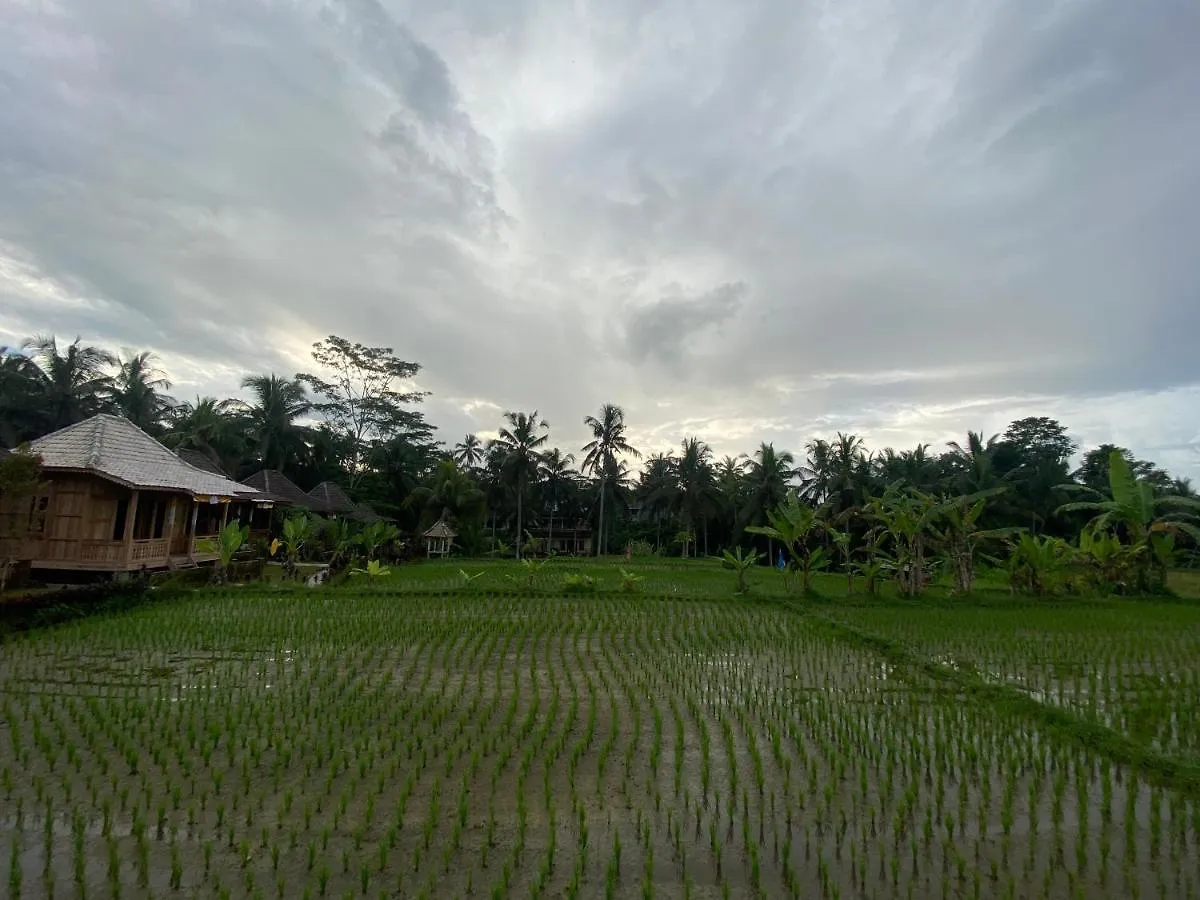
(354, 421)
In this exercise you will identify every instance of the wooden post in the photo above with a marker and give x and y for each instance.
(191, 535)
(130, 521)
(225, 514)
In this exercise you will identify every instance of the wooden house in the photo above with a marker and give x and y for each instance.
(564, 540)
(116, 500)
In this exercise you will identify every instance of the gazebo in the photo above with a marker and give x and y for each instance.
(439, 538)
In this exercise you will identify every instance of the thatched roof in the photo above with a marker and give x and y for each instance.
(277, 487)
(329, 499)
(116, 449)
(441, 529)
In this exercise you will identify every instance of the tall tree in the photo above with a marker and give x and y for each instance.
(520, 442)
(75, 380)
(210, 426)
(360, 399)
(137, 391)
(271, 417)
(657, 490)
(556, 478)
(23, 415)
(768, 475)
(697, 497)
(975, 461)
(468, 452)
(608, 441)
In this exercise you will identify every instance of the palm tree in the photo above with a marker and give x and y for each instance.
(697, 496)
(271, 418)
(22, 392)
(468, 452)
(556, 474)
(75, 381)
(450, 492)
(212, 427)
(767, 477)
(976, 460)
(519, 443)
(608, 440)
(657, 490)
(135, 391)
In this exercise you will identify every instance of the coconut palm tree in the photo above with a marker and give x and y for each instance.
(556, 476)
(768, 474)
(271, 419)
(75, 380)
(212, 427)
(608, 440)
(468, 452)
(976, 461)
(697, 497)
(135, 391)
(449, 492)
(22, 391)
(657, 489)
(519, 442)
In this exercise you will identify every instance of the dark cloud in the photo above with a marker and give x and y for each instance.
(905, 217)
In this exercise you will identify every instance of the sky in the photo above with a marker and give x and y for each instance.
(764, 220)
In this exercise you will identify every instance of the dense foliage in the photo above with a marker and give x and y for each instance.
(1113, 520)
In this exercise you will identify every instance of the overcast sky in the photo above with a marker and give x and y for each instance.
(746, 221)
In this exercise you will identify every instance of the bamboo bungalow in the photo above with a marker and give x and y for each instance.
(116, 500)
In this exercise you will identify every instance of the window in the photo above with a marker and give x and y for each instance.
(118, 532)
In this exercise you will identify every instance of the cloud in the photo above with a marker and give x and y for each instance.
(758, 220)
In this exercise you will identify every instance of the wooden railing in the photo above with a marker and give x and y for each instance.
(119, 552)
(154, 549)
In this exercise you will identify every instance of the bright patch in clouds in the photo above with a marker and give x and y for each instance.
(752, 221)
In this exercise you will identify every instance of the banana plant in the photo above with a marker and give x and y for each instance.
(1136, 514)
(375, 569)
(339, 534)
(906, 515)
(377, 535)
(842, 540)
(795, 524)
(874, 562)
(741, 562)
(956, 528)
(229, 542)
(1107, 564)
(297, 531)
(1037, 564)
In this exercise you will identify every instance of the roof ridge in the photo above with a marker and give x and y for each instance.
(94, 455)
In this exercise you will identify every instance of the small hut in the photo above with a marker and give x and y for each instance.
(439, 538)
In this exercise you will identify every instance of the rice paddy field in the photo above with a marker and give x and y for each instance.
(431, 737)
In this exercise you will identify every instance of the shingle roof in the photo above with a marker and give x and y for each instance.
(278, 487)
(440, 530)
(115, 448)
(200, 461)
(368, 515)
(329, 498)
